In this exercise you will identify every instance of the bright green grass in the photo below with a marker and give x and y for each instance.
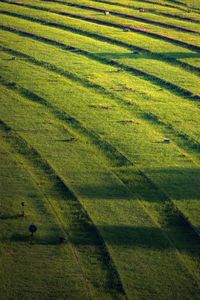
(136, 13)
(112, 19)
(128, 87)
(187, 4)
(115, 119)
(145, 15)
(132, 38)
(145, 149)
(122, 55)
(140, 248)
(89, 272)
(173, 11)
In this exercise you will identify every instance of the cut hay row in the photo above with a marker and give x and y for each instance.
(100, 140)
(133, 284)
(169, 35)
(133, 154)
(122, 41)
(172, 4)
(124, 20)
(127, 14)
(137, 41)
(125, 63)
(116, 157)
(75, 223)
(148, 9)
(188, 4)
(17, 274)
(185, 141)
(101, 68)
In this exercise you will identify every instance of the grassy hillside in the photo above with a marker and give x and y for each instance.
(87, 101)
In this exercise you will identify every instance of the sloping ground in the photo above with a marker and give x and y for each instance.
(87, 99)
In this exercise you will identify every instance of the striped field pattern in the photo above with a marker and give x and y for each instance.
(100, 138)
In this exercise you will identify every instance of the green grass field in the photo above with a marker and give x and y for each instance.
(87, 101)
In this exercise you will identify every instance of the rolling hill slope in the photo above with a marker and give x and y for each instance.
(91, 91)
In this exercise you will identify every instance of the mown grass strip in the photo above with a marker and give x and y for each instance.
(125, 132)
(116, 157)
(122, 15)
(164, 4)
(86, 227)
(136, 40)
(83, 11)
(149, 77)
(153, 10)
(119, 158)
(49, 260)
(113, 154)
(134, 249)
(120, 26)
(131, 46)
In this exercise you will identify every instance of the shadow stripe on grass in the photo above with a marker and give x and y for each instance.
(171, 243)
(113, 154)
(176, 5)
(120, 159)
(143, 32)
(184, 5)
(33, 97)
(149, 10)
(37, 161)
(127, 16)
(167, 236)
(131, 17)
(172, 61)
(146, 76)
(148, 116)
(115, 25)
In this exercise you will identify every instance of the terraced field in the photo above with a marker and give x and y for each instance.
(90, 90)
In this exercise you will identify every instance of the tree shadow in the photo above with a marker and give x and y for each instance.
(178, 55)
(182, 183)
(10, 217)
(137, 54)
(179, 183)
(149, 237)
(36, 239)
(153, 238)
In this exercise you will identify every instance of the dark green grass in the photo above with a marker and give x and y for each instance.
(40, 269)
